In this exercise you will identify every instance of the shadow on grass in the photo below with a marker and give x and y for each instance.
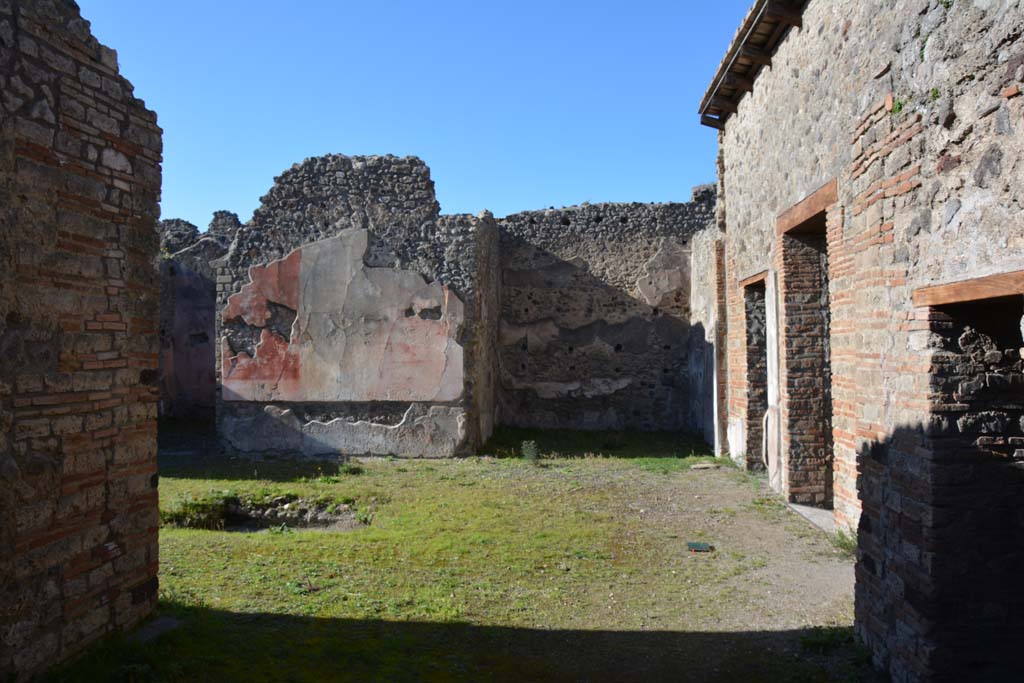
(507, 442)
(223, 646)
(190, 450)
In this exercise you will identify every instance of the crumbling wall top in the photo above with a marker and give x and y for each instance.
(176, 234)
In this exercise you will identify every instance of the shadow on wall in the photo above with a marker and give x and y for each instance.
(939, 559)
(577, 353)
(214, 644)
(941, 537)
(188, 382)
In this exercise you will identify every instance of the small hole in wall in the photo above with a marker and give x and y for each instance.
(598, 219)
(655, 312)
(526, 310)
(523, 347)
(665, 371)
(571, 349)
(572, 368)
(523, 366)
(623, 220)
(618, 369)
(533, 221)
(618, 348)
(667, 347)
(566, 221)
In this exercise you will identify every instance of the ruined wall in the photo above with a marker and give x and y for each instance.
(79, 186)
(176, 234)
(223, 226)
(914, 109)
(351, 319)
(188, 309)
(595, 316)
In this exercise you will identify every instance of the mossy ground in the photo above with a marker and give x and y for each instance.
(499, 569)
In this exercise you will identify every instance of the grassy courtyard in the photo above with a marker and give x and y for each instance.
(571, 567)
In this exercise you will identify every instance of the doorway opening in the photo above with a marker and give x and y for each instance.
(976, 440)
(808, 445)
(754, 296)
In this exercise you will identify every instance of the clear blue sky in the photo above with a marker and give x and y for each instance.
(513, 105)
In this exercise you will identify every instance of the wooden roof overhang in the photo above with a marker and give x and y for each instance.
(764, 27)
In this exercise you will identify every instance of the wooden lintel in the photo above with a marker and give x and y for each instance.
(754, 279)
(783, 14)
(712, 122)
(816, 203)
(756, 55)
(991, 287)
(739, 83)
(723, 104)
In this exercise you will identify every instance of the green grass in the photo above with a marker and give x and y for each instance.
(483, 567)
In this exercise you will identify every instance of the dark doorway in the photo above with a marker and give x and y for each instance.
(808, 369)
(757, 372)
(976, 539)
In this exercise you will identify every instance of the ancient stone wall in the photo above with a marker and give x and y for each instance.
(223, 226)
(913, 109)
(351, 319)
(79, 186)
(188, 308)
(176, 234)
(707, 335)
(595, 316)
(976, 467)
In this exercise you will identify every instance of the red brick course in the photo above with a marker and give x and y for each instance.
(78, 310)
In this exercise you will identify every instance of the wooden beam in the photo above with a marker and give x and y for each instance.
(712, 122)
(991, 287)
(756, 55)
(739, 83)
(784, 14)
(754, 279)
(723, 104)
(816, 203)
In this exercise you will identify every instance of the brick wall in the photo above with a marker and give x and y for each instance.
(807, 386)
(941, 531)
(914, 110)
(977, 447)
(79, 186)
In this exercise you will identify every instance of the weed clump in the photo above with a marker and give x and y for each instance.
(209, 512)
(530, 451)
(846, 542)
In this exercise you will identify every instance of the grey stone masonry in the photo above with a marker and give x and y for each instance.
(371, 326)
(595, 315)
(79, 190)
